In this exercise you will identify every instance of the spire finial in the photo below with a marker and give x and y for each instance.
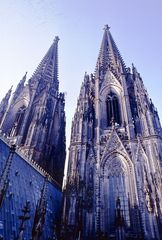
(24, 77)
(56, 39)
(106, 27)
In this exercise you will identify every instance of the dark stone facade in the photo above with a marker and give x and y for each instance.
(113, 188)
(25, 184)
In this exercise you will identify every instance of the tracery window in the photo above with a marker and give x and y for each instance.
(18, 121)
(113, 109)
(115, 187)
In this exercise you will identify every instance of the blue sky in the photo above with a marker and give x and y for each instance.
(28, 27)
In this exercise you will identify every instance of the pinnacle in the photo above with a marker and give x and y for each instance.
(56, 39)
(106, 27)
(24, 77)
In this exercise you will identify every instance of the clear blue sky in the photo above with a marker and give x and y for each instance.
(28, 27)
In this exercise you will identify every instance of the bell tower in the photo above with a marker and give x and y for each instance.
(35, 118)
(114, 172)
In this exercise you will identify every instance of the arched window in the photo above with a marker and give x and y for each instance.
(116, 189)
(18, 121)
(113, 109)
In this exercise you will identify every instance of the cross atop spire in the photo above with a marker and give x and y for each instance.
(106, 27)
(56, 39)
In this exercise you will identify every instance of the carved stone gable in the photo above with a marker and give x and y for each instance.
(109, 79)
(113, 144)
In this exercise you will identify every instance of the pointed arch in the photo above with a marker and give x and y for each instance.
(118, 183)
(18, 121)
(113, 109)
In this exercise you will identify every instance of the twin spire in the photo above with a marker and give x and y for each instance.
(109, 58)
(48, 67)
(109, 55)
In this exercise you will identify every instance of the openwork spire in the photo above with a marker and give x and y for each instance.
(48, 67)
(109, 55)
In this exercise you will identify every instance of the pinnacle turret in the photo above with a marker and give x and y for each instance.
(20, 86)
(7, 96)
(4, 104)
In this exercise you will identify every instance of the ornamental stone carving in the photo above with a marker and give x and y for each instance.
(114, 167)
(114, 143)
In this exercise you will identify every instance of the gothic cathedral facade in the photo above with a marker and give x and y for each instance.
(114, 182)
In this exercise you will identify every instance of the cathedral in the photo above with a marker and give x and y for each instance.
(113, 184)
(113, 187)
(35, 118)
(32, 154)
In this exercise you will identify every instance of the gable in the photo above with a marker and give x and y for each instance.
(112, 145)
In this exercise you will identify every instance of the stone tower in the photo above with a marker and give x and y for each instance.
(113, 188)
(35, 118)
